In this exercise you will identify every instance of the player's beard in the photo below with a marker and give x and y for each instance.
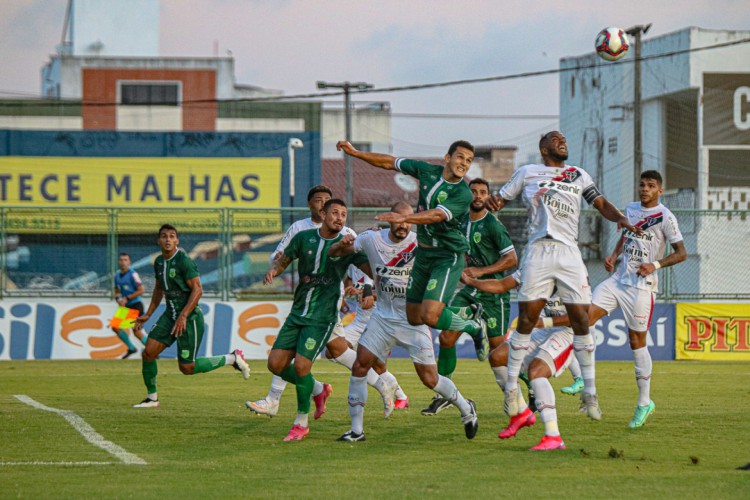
(558, 156)
(474, 209)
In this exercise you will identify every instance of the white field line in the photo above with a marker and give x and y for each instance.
(88, 432)
(64, 464)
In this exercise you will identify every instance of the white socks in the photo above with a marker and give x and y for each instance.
(517, 350)
(545, 403)
(501, 376)
(446, 388)
(574, 367)
(584, 348)
(301, 419)
(357, 399)
(643, 367)
(230, 359)
(317, 387)
(348, 358)
(278, 385)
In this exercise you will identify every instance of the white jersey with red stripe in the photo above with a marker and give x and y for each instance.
(362, 316)
(553, 195)
(391, 264)
(659, 226)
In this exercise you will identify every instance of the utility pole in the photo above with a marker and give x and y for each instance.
(637, 31)
(347, 87)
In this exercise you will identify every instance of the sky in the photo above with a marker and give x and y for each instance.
(290, 44)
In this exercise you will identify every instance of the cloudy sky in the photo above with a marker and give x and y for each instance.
(290, 44)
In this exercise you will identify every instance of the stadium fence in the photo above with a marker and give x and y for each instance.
(73, 252)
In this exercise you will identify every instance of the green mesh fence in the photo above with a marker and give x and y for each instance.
(69, 252)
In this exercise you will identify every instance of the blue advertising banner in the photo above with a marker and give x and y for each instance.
(612, 342)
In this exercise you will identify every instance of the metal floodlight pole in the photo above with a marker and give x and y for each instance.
(347, 87)
(637, 31)
(293, 144)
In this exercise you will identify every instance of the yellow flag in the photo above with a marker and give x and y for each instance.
(124, 318)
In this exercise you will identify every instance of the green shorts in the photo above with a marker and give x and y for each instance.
(187, 343)
(435, 275)
(305, 338)
(496, 309)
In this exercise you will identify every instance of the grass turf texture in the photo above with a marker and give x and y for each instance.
(203, 442)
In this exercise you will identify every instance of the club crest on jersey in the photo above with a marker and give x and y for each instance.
(172, 273)
(650, 221)
(442, 196)
(310, 343)
(568, 175)
(477, 238)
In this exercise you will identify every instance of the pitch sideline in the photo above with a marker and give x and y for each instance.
(88, 432)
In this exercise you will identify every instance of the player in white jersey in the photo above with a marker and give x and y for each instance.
(337, 348)
(633, 286)
(391, 256)
(553, 191)
(549, 355)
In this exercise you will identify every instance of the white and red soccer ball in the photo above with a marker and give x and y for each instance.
(612, 44)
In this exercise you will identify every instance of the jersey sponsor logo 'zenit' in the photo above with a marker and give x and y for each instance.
(382, 270)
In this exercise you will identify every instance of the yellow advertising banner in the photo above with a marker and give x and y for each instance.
(166, 186)
(713, 331)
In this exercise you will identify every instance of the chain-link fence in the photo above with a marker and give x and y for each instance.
(73, 252)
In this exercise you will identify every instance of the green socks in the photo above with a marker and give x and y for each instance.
(204, 365)
(463, 312)
(149, 370)
(304, 386)
(446, 363)
(450, 321)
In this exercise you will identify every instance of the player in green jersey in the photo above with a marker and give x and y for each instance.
(314, 311)
(444, 199)
(490, 254)
(178, 281)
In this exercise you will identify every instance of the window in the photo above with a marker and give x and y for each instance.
(150, 94)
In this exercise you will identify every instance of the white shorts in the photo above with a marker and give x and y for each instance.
(382, 334)
(637, 305)
(554, 346)
(548, 263)
(338, 331)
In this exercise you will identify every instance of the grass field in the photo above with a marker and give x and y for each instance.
(202, 442)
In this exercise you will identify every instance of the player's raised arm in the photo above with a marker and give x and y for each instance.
(379, 160)
(432, 216)
(490, 286)
(345, 246)
(612, 213)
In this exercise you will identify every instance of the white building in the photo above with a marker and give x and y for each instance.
(695, 88)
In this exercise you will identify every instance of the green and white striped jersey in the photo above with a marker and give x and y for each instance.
(319, 291)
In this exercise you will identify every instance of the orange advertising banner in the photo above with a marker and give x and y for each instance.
(713, 331)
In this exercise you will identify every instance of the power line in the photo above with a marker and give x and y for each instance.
(460, 116)
(403, 88)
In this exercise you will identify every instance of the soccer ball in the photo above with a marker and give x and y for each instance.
(611, 44)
